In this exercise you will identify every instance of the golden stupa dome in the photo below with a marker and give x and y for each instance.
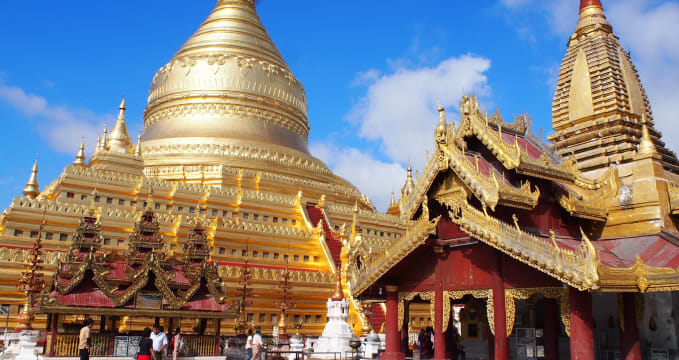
(227, 97)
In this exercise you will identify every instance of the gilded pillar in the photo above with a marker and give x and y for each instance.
(552, 328)
(630, 348)
(582, 324)
(501, 350)
(392, 346)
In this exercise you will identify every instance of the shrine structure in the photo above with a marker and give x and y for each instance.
(538, 251)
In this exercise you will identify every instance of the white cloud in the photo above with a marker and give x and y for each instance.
(399, 109)
(361, 169)
(365, 78)
(62, 127)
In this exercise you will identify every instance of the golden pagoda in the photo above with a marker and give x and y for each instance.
(224, 140)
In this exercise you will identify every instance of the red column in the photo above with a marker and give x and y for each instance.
(53, 332)
(630, 348)
(552, 328)
(582, 324)
(500, 314)
(218, 336)
(439, 337)
(392, 341)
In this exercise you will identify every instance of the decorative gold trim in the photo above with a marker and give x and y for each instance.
(638, 278)
(487, 294)
(557, 293)
(404, 297)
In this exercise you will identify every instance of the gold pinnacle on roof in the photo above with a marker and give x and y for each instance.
(646, 146)
(32, 189)
(93, 207)
(119, 140)
(137, 149)
(409, 186)
(338, 294)
(600, 103)
(80, 158)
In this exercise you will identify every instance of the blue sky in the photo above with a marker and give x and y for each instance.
(373, 71)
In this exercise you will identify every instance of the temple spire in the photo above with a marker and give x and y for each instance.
(338, 294)
(80, 159)
(410, 184)
(119, 140)
(32, 189)
(102, 144)
(393, 201)
(137, 150)
(592, 17)
(646, 146)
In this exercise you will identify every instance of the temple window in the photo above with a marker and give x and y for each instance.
(265, 218)
(286, 257)
(34, 234)
(222, 251)
(274, 318)
(192, 210)
(97, 198)
(318, 319)
(243, 253)
(285, 221)
(234, 252)
(109, 200)
(18, 232)
(296, 258)
(255, 217)
(234, 215)
(157, 207)
(306, 258)
(121, 202)
(251, 317)
(276, 256)
(246, 216)
(180, 209)
(202, 211)
(255, 253)
(388, 234)
(63, 237)
(107, 241)
(315, 259)
(49, 236)
(265, 254)
(360, 231)
(83, 197)
(145, 204)
(381, 233)
(133, 203)
(168, 207)
(120, 242)
(336, 227)
(70, 195)
(275, 219)
(307, 319)
(367, 232)
(225, 213)
(173, 247)
(296, 319)
(215, 212)
(294, 222)
(262, 318)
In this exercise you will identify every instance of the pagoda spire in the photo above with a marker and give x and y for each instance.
(338, 294)
(592, 17)
(410, 184)
(119, 140)
(137, 150)
(587, 3)
(32, 189)
(646, 146)
(102, 144)
(80, 158)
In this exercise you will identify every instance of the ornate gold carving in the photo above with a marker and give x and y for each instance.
(487, 294)
(590, 207)
(404, 299)
(639, 277)
(522, 198)
(557, 293)
(578, 269)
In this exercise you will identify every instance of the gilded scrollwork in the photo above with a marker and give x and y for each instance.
(557, 293)
(638, 278)
(404, 299)
(487, 294)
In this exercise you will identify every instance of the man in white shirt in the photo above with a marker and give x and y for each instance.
(257, 345)
(159, 341)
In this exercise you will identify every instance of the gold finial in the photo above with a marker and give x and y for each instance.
(338, 294)
(149, 199)
(119, 140)
(102, 145)
(32, 189)
(137, 150)
(592, 17)
(410, 184)
(93, 209)
(646, 146)
(393, 201)
(80, 158)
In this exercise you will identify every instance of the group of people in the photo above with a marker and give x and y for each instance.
(152, 345)
(254, 345)
(425, 341)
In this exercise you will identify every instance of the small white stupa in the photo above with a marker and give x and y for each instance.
(337, 332)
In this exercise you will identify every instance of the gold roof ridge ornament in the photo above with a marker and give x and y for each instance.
(32, 189)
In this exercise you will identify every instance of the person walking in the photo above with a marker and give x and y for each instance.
(257, 345)
(145, 346)
(159, 342)
(84, 342)
(248, 345)
(177, 343)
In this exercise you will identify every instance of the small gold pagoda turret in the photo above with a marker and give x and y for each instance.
(80, 158)
(137, 149)
(32, 189)
(119, 140)
(409, 186)
(338, 294)
(393, 206)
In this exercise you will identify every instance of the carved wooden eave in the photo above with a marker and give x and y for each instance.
(575, 268)
(638, 278)
(590, 206)
(362, 275)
